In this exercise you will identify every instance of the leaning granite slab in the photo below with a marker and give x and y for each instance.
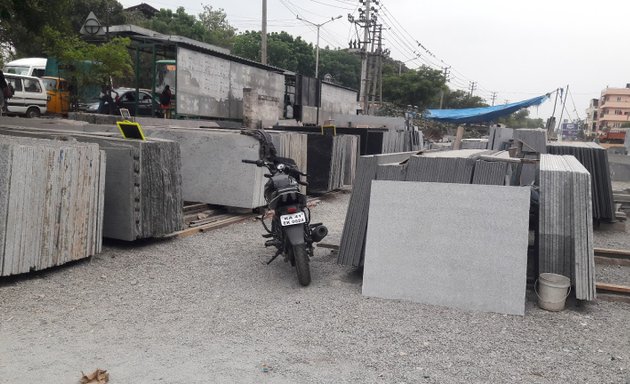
(51, 203)
(455, 245)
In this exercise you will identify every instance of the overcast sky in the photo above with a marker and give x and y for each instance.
(518, 49)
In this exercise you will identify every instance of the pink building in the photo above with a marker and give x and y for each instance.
(614, 108)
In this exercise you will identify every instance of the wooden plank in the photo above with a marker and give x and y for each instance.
(208, 227)
(615, 288)
(193, 207)
(602, 260)
(615, 253)
(613, 297)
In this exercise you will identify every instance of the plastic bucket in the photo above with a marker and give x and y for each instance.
(552, 291)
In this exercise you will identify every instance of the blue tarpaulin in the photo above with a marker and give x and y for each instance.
(481, 114)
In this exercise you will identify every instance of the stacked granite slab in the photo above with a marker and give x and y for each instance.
(143, 188)
(439, 166)
(294, 146)
(595, 159)
(566, 223)
(212, 171)
(372, 141)
(330, 162)
(499, 138)
(491, 172)
(474, 144)
(51, 203)
(402, 141)
(532, 142)
(352, 243)
(619, 167)
(411, 255)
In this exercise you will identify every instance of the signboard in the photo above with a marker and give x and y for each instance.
(569, 131)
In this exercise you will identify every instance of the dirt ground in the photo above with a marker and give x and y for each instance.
(206, 309)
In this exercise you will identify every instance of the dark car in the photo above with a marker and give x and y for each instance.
(127, 99)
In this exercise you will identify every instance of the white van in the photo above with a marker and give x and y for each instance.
(29, 96)
(30, 66)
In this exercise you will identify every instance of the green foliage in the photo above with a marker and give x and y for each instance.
(22, 23)
(88, 63)
(283, 51)
(344, 67)
(218, 30)
(521, 119)
(460, 99)
(210, 27)
(419, 87)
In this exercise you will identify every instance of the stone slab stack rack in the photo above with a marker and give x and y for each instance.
(566, 223)
(51, 203)
(595, 159)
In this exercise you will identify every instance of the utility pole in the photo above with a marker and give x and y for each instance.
(263, 37)
(494, 97)
(446, 74)
(473, 86)
(363, 92)
(318, 26)
(564, 103)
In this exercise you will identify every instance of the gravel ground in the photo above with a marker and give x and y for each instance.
(205, 309)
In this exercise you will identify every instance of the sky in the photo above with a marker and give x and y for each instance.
(518, 49)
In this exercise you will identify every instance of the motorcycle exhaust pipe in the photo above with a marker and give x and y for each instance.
(318, 233)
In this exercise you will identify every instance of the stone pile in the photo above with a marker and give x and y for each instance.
(51, 203)
(566, 223)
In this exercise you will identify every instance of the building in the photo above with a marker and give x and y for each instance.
(614, 108)
(591, 117)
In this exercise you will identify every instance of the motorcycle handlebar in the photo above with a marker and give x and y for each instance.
(250, 161)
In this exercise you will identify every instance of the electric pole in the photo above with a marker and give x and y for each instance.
(494, 97)
(446, 74)
(363, 92)
(263, 37)
(473, 86)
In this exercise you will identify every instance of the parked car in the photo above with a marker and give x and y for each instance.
(127, 99)
(29, 96)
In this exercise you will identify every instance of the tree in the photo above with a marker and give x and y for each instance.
(219, 31)
(521, 119)
(22, 23)
(343, 66)
(210, 27)
(458, 99)
(418, 87)
(283, 51)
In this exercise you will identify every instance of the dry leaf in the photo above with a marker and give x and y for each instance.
(100, 376)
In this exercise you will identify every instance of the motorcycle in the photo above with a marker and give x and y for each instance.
(291, 231)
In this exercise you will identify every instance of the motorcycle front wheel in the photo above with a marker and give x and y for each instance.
(302, 264)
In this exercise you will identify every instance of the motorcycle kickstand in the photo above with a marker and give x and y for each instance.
(274, 257)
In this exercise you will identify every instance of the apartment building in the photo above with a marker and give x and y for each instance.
(591, 116)
(614, 108)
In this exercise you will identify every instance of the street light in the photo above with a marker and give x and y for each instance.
(317, 49)
(400, 64)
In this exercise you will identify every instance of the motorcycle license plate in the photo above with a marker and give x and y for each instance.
(294, 218)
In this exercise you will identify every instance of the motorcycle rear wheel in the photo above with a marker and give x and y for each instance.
(302, 264)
